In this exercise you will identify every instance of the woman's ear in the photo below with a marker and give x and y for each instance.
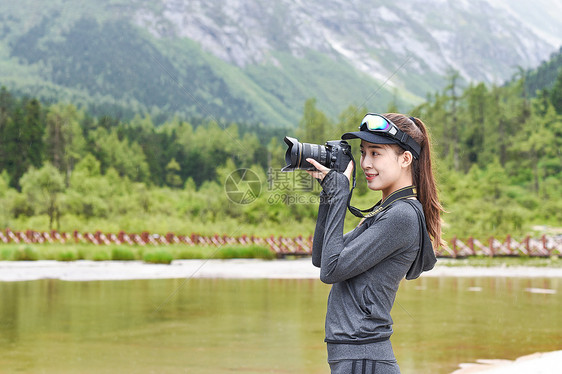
(407, 158)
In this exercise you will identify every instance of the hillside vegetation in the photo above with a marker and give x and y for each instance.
(544, 76)
(498, 154)
(257, 61)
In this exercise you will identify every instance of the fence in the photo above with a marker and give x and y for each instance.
(284, 246)
(544, 246)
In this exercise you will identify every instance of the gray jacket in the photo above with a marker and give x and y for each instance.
(365, 267)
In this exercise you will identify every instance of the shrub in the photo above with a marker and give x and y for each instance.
(122, 254)
(26, 253)
(158, 257)
(251, 251)
(67, 255)
(81, 253)
(6, 254)
(101, 254)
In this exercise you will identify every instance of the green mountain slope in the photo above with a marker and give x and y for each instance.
(251, 61)
(544, 76)
(112, 66)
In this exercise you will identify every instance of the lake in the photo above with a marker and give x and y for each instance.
(262, 326)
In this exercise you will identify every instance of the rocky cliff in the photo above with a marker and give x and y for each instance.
(257, 60)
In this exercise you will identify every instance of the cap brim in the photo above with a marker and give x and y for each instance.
(369, 137)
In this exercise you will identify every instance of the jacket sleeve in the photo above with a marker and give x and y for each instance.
(392, 231)
(318, 239)
(319, 230)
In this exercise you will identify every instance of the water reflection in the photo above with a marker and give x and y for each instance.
(249, 326)
(453, 320)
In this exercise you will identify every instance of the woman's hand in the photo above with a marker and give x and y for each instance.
(321, 171)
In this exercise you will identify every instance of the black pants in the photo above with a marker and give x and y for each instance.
(364, 367)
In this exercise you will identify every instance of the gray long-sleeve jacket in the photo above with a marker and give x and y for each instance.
(365, 267)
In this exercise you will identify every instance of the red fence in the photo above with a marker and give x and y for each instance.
(544, 246)
(299, 246)
(283, 246)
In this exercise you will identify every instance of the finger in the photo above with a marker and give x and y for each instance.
(316, 174)
(318, 165)
(349, 170)
(313, 173)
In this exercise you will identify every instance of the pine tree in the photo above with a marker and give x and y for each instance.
(173, 178)
(14, 161)
(314, 126)
(6, 104)
(556, 93)
(64, 140)
(33, 133)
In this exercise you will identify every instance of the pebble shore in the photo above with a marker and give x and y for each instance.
(84, 270)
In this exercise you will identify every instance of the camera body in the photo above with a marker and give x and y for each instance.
(339, 152)
(335, 154)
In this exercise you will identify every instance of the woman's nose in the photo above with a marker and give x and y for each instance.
(365, 163)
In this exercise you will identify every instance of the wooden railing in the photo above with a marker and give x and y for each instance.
(284, 246)
(543, 246)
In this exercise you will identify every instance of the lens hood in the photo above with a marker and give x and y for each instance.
(293, 154)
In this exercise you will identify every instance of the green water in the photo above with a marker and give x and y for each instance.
(260, 326)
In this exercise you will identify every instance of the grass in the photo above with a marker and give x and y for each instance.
(150, 254)
(25, 253)
(165, 254)
(123, 254)
(159, 256)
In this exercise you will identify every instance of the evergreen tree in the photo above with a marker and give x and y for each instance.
(14, 163)
(451, 130)
(64, 141)
(173, 178)
(6, 106)
(125, 156)
(23, 138)
(556, 93)
(314, 125)
(33, 133)
(474, 128)
(155, 146)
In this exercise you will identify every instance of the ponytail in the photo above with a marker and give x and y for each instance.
(422, 174)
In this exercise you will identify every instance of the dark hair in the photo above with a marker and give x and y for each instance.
(422, 173)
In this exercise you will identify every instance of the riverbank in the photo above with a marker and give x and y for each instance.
(85, 270)
(537, 363)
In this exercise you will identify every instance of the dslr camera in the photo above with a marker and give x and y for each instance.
(335, 154)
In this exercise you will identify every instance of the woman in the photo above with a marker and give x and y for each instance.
(366, 265)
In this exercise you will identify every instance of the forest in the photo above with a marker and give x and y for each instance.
(497, 151)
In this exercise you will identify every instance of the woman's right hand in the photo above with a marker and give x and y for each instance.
(321, 170)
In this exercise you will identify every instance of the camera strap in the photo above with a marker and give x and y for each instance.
(402, 193)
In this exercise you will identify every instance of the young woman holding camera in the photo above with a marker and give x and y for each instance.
(392, 241)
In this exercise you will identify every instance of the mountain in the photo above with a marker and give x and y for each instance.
(544, 76)
(257, 61)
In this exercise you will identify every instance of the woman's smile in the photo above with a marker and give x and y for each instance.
(370, 176)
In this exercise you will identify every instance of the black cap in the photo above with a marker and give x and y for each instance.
(370, 137)
(373, 137)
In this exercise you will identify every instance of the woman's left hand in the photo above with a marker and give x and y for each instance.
(321, 170)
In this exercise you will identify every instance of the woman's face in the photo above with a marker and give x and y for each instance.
(384, 169)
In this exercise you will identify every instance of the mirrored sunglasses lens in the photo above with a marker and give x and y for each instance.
(376, 123)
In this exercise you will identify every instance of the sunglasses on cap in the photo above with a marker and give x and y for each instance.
(381, 125)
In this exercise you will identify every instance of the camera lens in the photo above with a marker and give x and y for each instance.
(297, 153)
(314, 151)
